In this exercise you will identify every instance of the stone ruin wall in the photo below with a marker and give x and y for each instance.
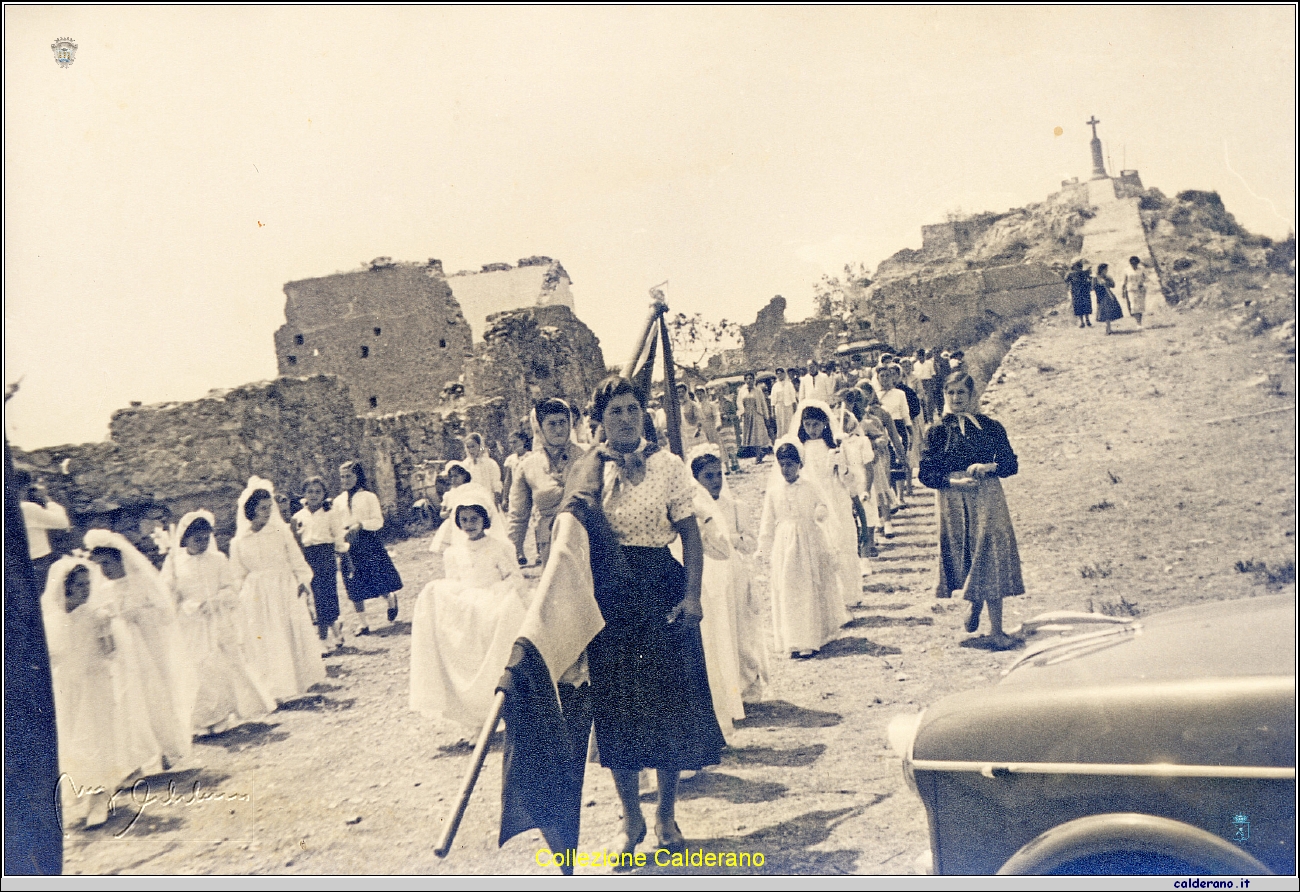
(770, 341)
(394, 332)
(164, 460)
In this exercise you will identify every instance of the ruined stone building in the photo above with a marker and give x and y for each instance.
(771, 341)
(535, 282)
(400, 334)
(392, 365)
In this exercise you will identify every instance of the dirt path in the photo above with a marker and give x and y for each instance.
(1131, 497)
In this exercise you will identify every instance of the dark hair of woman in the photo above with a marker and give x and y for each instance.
(477, 509)
(814, 412)
(853, 398)
(200, 525)
(360, 473)
(547, 408)
(788, 452)
(78, 570)
(258, 497)
(105, 551)
(524, 437)
(700, 462)
(614, 385)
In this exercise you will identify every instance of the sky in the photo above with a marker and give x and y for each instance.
(161, 190)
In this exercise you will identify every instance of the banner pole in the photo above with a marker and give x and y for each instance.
(670, 391)
(471, 777)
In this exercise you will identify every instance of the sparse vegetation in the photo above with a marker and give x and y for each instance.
(695, 338)
(1272, 575)
(1100, 570)
(1104, 505)
(1122, 607)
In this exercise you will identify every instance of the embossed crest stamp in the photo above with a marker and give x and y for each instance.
(65, 51)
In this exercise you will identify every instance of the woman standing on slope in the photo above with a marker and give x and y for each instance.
(965, 457)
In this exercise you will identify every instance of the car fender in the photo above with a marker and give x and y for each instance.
(1130, 832)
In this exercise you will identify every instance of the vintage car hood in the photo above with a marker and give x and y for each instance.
(1208, 685)
(1223, 639)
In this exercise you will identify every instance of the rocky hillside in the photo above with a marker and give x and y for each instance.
(1206, 258)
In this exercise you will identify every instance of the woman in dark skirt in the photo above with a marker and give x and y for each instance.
(320, 533)
(372, 572)
(650, 690)
(965, 457)
(1108, 308)
(1080, 282)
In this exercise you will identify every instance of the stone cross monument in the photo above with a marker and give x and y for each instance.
(1098, 168)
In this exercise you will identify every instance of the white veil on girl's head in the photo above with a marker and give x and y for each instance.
(710, 449)
(54, 598)
(463, 495)
(796, 421)
(183, 527)
(139, 571)
(177, 554)
(469, 494)
(244, 526)
(457, 463)
(775, 475)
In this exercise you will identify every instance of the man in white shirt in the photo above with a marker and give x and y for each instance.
(924, 372)
(815, 385)
(40, 515)
(1135, 288)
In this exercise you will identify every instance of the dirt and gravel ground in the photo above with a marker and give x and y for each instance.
(1138, 492)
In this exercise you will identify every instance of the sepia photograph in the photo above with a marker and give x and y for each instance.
(651, 441)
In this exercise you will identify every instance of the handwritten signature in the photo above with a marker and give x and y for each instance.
(142, 796)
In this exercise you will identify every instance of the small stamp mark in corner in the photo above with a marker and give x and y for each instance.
(65, 51)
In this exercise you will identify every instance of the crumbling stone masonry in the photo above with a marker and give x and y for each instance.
(393, 332)
(163, 460)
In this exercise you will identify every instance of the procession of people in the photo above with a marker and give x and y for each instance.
(146, 660)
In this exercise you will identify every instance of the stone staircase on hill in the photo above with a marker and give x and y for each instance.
(1115, 234)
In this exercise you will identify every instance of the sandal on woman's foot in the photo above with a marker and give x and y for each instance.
(670, 839)
(624, 844)
(392, 610)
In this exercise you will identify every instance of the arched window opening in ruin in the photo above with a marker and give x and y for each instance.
(297, 339)
(442, 342)
(365, 351)
(316, 352)
(378, 330)
(374, 402)
(293, 360)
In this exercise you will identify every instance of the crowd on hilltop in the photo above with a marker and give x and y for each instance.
(144, 658)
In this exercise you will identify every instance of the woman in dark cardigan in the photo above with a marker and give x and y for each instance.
(650, 690)
(964, 458)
